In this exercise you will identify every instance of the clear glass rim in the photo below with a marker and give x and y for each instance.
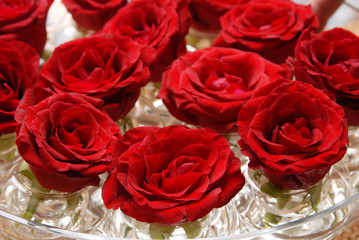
(258, 233)
(351, 6)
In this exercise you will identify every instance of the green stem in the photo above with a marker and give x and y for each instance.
(315, 194)
(271, 218)
(272, 190)
(192, 229)
(282, 201)
(31, 207)
(127, 230)
(34, 200)
(126, 123)
(72, 203)
(8, 147)
(257, 175)
(159, 231)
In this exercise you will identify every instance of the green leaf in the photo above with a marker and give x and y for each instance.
(127, 230)
(72, 203)
(315, 194)
(25, 170)
(159, 231)
(75, 217)
(272, 190)
(10, 155)
(34, 200)
(282, 201)
(272, 218)
(257, 175)
(8, 147)
(31, 207)
(192, 229)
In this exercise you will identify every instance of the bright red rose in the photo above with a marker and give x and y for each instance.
(206, 13)
(268, 27)
(19, 63)
(330, 61)
(24, 20)
(66, 139)
(293, 132)
(209, 86)
(172, 174)
(93, 14)
(112, 68)
(161, 24)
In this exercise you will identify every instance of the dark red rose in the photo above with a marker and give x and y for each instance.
(330, 61)
(67, 138)
(172, 174)
(206, 13)
(293, 132)
(268, 27)
(93, 14)
(19, 63)
(112, 68)
(161, 24)
(24, 20)
(209, 86)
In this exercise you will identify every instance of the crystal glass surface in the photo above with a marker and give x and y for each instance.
(79, 211)
(242, 218)
(9, 156)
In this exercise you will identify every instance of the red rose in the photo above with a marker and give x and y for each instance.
(66, 139)
(112, 68)
(25, 20)
(330, 61)
(19, 64)
(161, 24)
(206, 13)
(172, 174)
(293, 132)
(93, 14)
(209, 86)
(269, 27)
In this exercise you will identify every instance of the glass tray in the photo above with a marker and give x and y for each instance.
(61, 28)
(349, 206)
